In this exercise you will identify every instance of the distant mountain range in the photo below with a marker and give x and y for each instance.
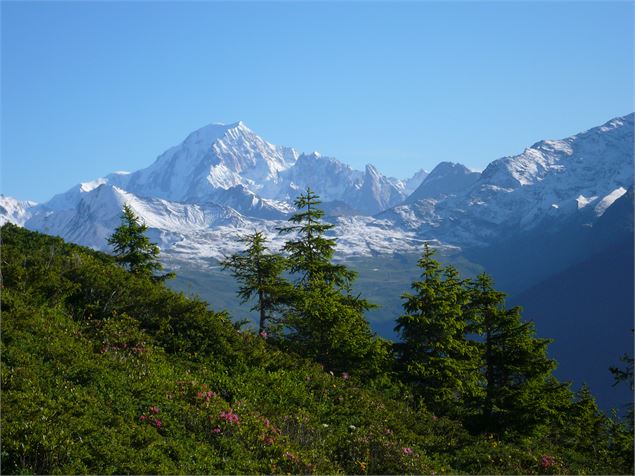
(227, 178)
(545, 216)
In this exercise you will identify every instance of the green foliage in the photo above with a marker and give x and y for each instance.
(133, 249)
(106, 372)
(310, 254)
(259, 275)
(324, 326)
(434, 355)
(325, 321)
(520, 392)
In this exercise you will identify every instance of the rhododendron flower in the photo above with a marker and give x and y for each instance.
(230, 417)
(216, 429)
(407, 451)
(157, 423)
(547, 461)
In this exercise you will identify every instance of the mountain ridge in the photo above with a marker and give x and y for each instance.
(232, 169)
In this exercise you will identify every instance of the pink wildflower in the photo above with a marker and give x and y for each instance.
(157, 423)
(209, 395)
(216, 429)
(289, 456)
(142, 418)
(199, 394)
(230, 417)
(263, 334)
(268, 441)
(407, 451)
(154, 410)
(547, 461)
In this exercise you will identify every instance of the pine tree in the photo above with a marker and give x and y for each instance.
(587, 427)
(326, 321)
(133, 249)
(521, 393)
(259, 274)
(324, 326)
(310, 254)
(434, 355)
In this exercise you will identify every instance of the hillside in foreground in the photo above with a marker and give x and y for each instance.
(104, 372)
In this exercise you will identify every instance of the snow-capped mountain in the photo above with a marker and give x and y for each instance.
(224, 180)
(410, 185)
(447, 178)
(211, 158)
(98, 213)
(15, 211)
(553, 181)
(231, 165)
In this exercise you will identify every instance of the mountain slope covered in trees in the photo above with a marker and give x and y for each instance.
(108, 371)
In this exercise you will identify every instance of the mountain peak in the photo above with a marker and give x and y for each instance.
(210, 133)
(446, 178)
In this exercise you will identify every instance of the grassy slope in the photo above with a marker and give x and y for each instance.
(93, 359)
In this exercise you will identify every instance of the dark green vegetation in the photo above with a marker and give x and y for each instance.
(108, 371)
(133, 249)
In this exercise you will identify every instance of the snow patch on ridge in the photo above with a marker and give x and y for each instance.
(608, 200)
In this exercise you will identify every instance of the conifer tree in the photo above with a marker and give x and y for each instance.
(587, 427)
(326, 321)
(311, 252)
(520, 391)
(259, 274)
(434, 355)
(133, 249)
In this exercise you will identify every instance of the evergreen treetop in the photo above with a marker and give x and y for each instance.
(310, 254)
(259, 274)
(434, 355)
(133, 249)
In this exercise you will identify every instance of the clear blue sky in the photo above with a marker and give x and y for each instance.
(90, 88)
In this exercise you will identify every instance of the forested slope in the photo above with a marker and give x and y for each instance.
(107, 372)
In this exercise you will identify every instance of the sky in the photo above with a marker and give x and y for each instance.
(94, 87)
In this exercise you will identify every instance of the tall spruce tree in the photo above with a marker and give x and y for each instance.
(434, 356)
(133, 249)
(521, 393)
(326, 321)
(260, 275)
(311, 252)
